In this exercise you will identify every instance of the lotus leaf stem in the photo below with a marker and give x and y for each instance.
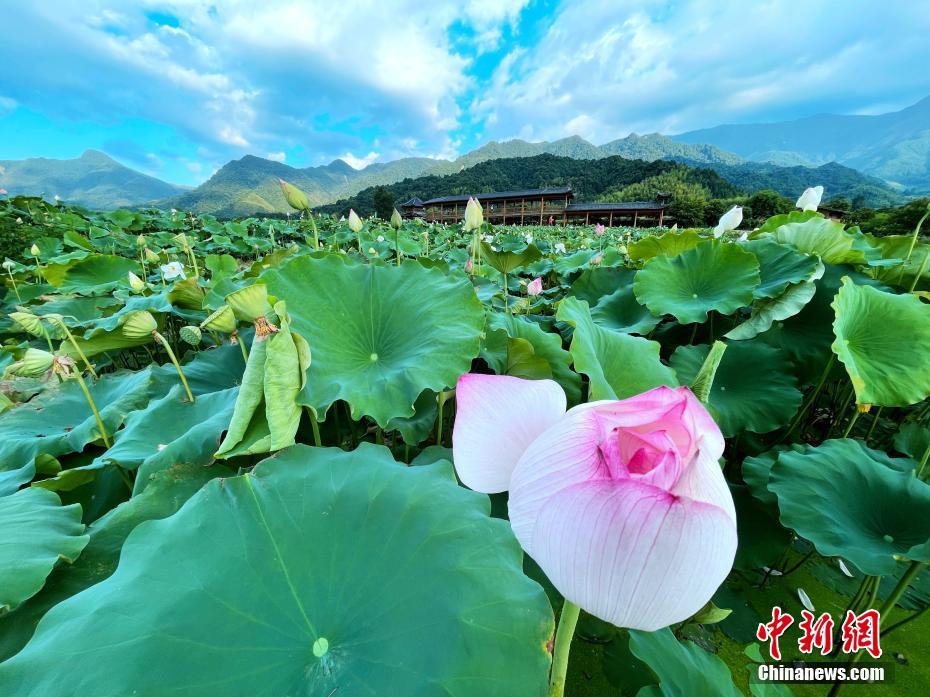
(93, 408)
(875, 418)
(852, 422)
(317, 441)
(923, 462)
(920, 271)
(77, 348)
(13, 280)
(568, 620)
(910, 249)
(808, 403)
(164, 342)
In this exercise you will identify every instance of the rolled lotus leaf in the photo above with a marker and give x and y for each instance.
(191, 335)
(186, 294)
(181, 241)
(151, 257)
(33, 364)
(249, 303)
(138, 325)
(33, 325)
(222, 320)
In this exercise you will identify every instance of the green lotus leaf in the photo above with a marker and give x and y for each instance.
(506, 262)
(546, 346)
(59, 421)
(670, 244)
(754, 389)
(97, 274)
(766, 311)
(912, 439)
(884, 341)
(221, 320)
(618, 365)
(207, 371)
(761, 539)
(850, 502)
(165, 493)
(77, 309)
(171, 430)
(780, 266)
(621, 312)
(776, 221)
(522, 361)
(897, 247)
(37, 532)
(593, 284)
(575, 261)
(410, 587)
(806, 337)
(682, 667)
(417, 428)
(187, 294)
(712, 276)
(829, 240)
(380, 335)
(249, 400)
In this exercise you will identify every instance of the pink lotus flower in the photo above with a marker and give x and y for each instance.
(599, 229)
(597, 260)
(622, 503)
(534, 287)
(469, 266)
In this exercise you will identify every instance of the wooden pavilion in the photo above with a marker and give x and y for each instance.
(538, 207)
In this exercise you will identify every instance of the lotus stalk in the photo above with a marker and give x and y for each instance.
(34, 251)
(64, 366)
(8, 265)
(396, 223)
(59, 321)
(177, 366)
(910, 249)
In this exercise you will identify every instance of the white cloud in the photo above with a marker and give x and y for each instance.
(277, 156)
(359, 162)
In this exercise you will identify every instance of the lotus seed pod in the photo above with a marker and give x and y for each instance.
(296, 198)
(151, 256)
(138, 325)
(355, 223)
(396, 220)
(33, 364)
(249, 303)
(222, 320)
(191, 335)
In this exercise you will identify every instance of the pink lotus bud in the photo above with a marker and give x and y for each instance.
(534, 287)
(597, 260)
(622, 503)
(469, 266)
(599, 229)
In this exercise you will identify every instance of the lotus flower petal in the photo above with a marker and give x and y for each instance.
(729, 221)
(634, 556)
(497, 417)
(810, 199)
(623, 505)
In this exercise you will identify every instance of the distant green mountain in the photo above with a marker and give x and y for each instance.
(94, 180)
(894, 147)
(250, 184)
(588, 179)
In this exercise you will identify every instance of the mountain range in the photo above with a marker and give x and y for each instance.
(890, 151)
(94, 180)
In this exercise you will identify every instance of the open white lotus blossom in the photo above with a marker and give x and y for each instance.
(622, 503)
(729, 221)
(529, 238)
(380, 238)
(810, 199)
(560, 247)
(172, 270)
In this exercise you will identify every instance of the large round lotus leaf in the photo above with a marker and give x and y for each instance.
(621, 312)
(829, 240)
(766, 311)
(37, 532)
(780, 265)
(321, 573)
(849, 502)
(379, 335)
(594, 284)
(166, 492)
(507, 261)
(670, 244)
(713, 276)
(98, 273)
(884, 341)
(618, 365)
(546, 346)
(754, 388)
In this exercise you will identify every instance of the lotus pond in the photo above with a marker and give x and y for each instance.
(321, 457)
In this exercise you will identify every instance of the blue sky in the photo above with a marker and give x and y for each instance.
(177, 88)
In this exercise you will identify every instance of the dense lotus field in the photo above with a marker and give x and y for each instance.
(337, 458)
